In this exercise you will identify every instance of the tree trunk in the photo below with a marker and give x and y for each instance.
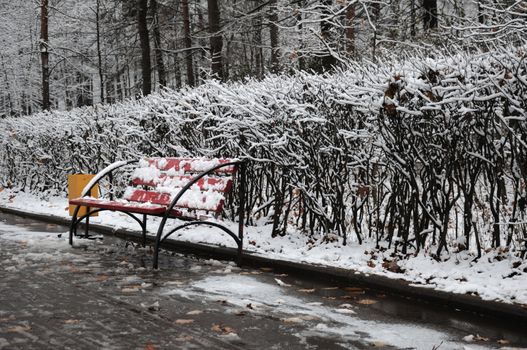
(158, 53)
(216, 41)
(328, 61)
(350, 30)
(99, 54)
(430, 14)
(412, 18)
(188, 42)
(301, 58)
(376, 11)
(44, 54)
(142, 9)
(275, 50)
(481, 15)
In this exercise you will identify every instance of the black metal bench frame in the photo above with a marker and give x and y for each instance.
(159, 236)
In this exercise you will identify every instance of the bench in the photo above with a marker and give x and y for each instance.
(190, 189)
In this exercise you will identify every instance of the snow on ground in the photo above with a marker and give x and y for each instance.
(496, 276)
(321, 320)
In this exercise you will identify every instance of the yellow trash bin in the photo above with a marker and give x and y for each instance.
(76, 184)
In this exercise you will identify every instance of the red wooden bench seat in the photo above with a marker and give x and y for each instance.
(185, 188)
(119, 205)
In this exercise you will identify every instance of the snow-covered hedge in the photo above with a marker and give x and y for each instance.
(417, 152)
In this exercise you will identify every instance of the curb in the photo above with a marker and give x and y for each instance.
(497, 310)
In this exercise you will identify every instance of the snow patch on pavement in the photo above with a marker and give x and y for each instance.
(241, 290)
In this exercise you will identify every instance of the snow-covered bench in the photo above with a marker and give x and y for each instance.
(190, 189)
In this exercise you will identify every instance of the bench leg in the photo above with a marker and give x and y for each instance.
(143, 226)
(87, 228)
(73, 225)
(239, 258)
(155, 259)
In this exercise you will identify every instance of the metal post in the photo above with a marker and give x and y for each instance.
(144, 230)
(241, 218)
(86, 231)
(87, 228)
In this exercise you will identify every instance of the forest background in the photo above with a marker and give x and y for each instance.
(62, 54)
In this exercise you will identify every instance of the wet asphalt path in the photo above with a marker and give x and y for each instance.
(102, 294)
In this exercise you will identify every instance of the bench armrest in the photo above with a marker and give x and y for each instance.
(103, 173)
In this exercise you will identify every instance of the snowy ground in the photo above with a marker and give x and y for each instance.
(496, 276)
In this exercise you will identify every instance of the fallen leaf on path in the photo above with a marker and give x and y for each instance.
(266, 269)
(19, 329)
(183, 321)
(150, 346)
(72, 321)
(219, 328)
(503, 341)
(4, 319)
(367, 301)
(102, 278)
(354, 290)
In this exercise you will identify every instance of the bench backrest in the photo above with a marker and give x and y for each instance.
(159, 180)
